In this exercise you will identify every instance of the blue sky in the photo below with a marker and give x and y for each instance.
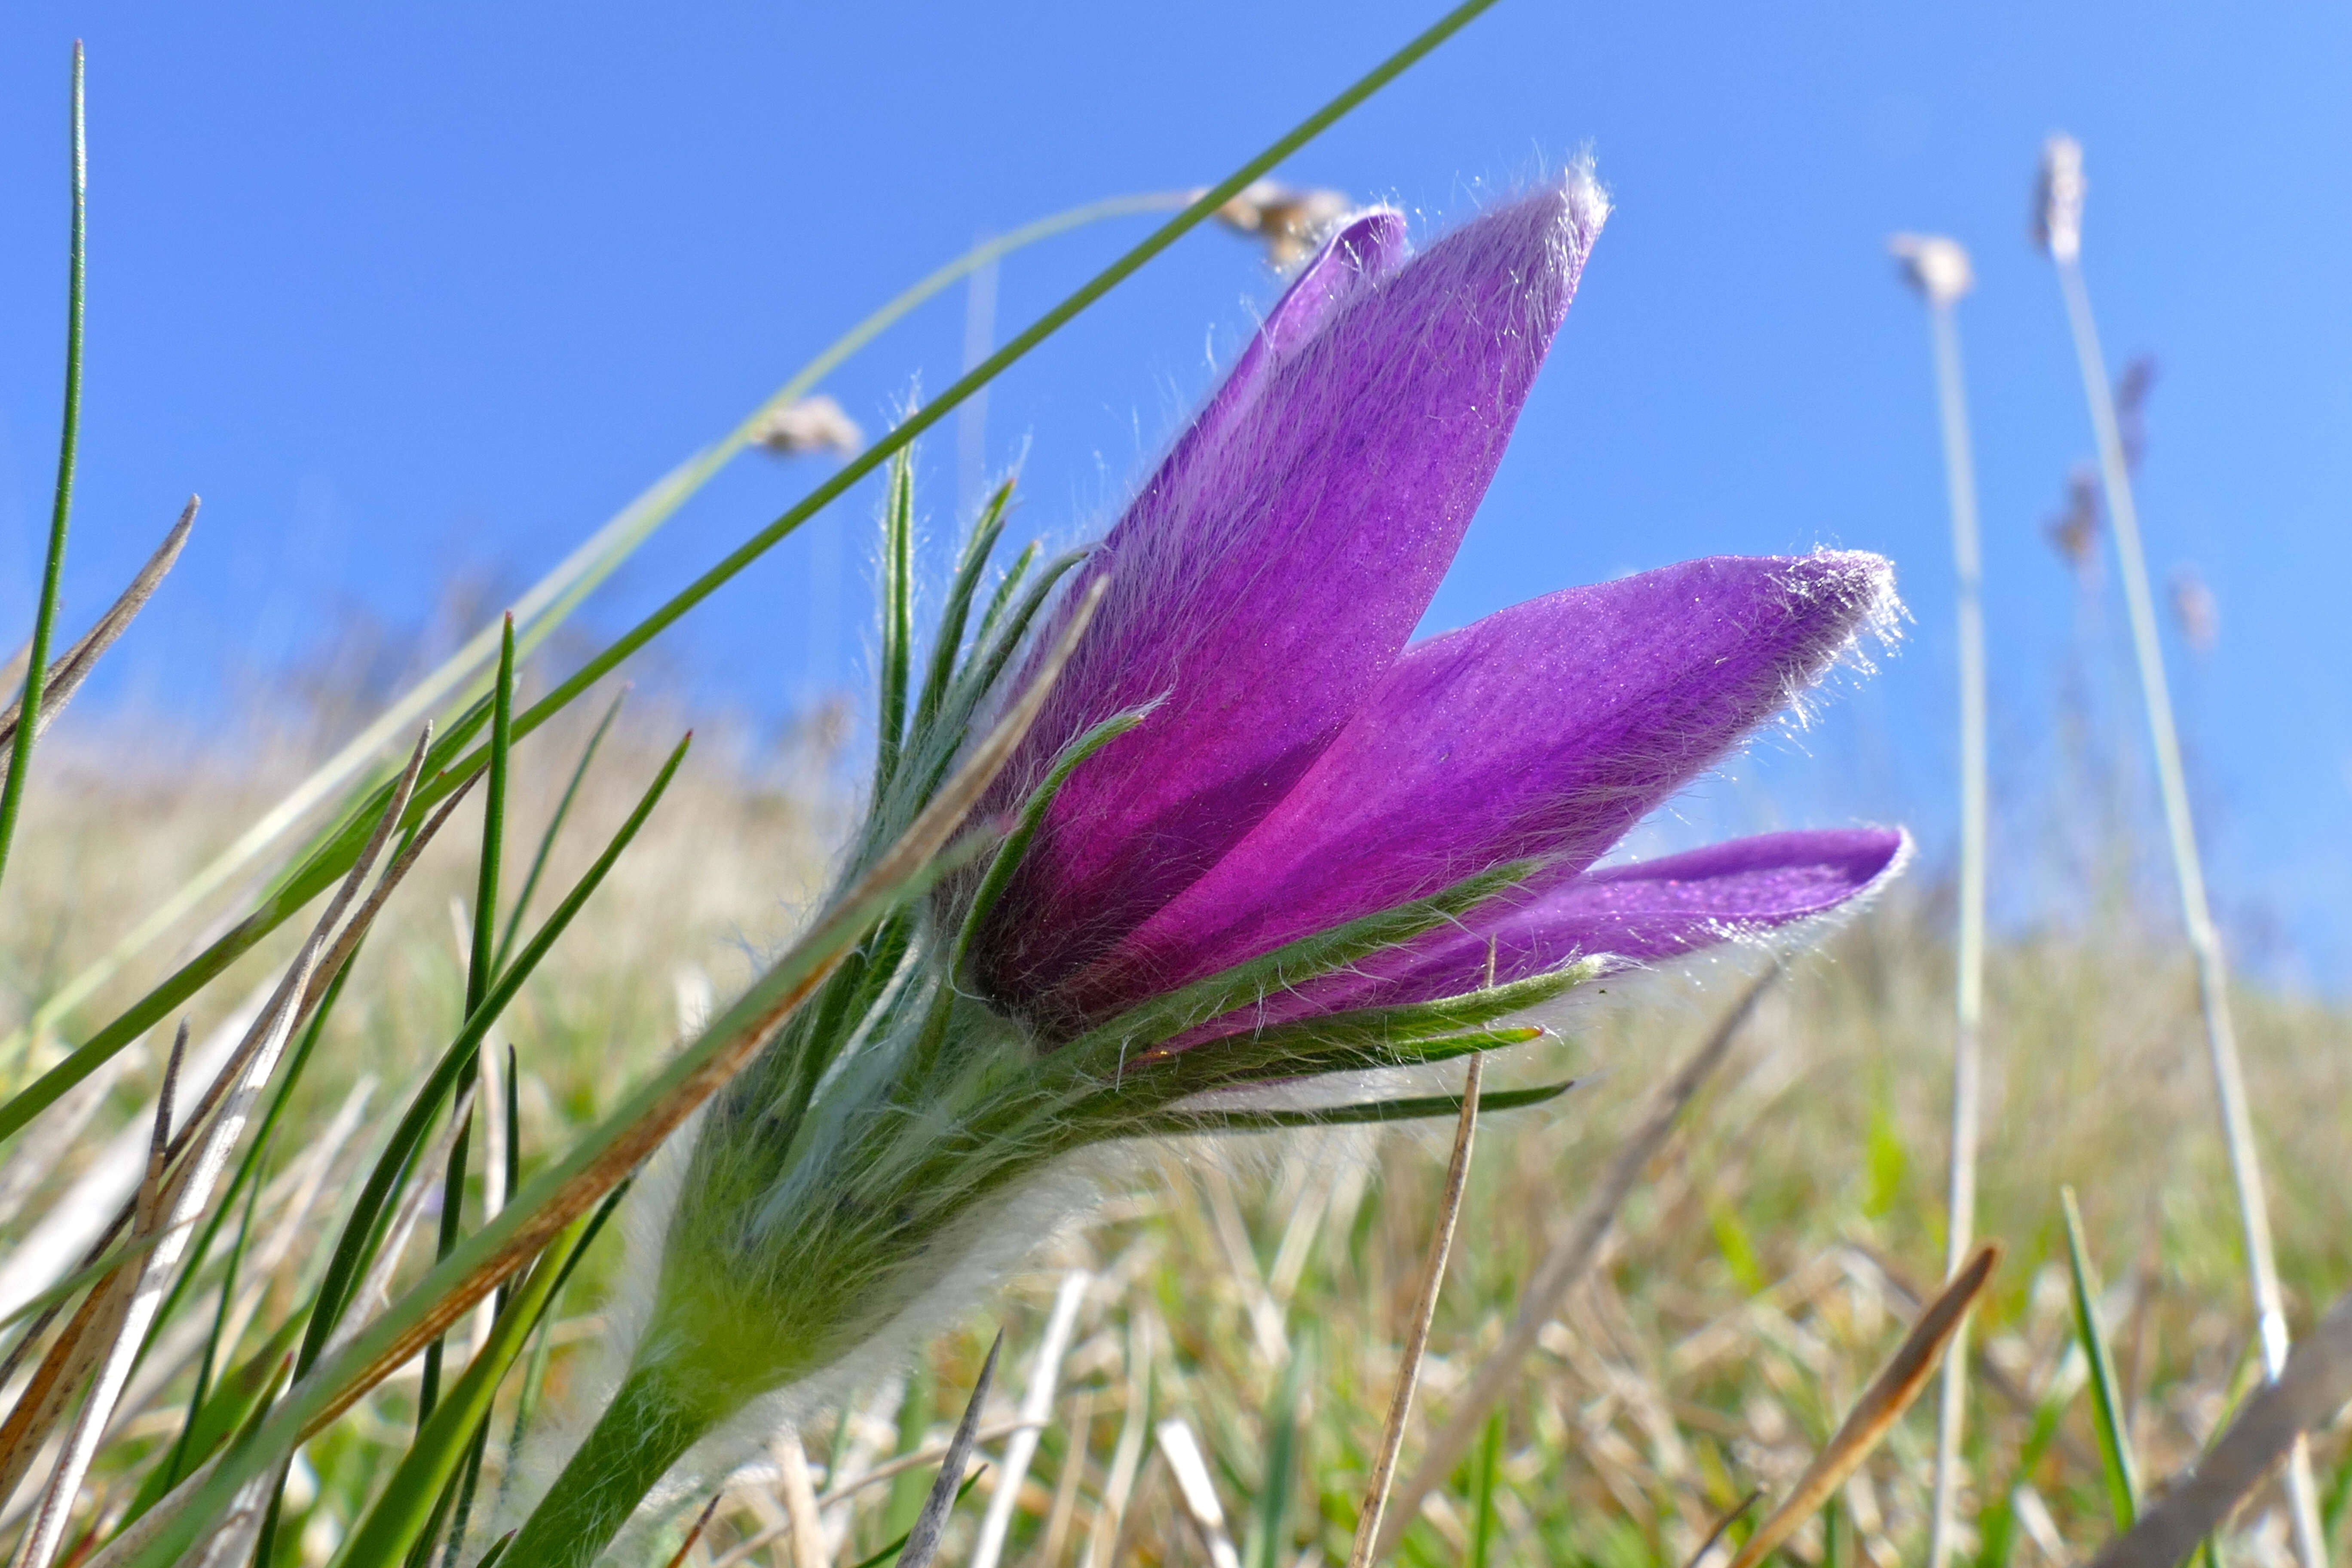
(406, 289)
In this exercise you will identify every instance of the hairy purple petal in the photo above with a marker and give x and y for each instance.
(1265, 581)
(1545, 731)
(1640, 913)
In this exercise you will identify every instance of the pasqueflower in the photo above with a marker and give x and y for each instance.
(1261, 835)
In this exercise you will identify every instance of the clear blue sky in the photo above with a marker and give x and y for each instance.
(401, 289)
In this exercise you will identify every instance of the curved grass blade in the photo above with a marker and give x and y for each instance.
(897, 595)
(192, 975)
(66, 676)
(2118, 1465)
(45, 615)
(539, 611)
(1881, 1406)
(961, 589)
(479, 971)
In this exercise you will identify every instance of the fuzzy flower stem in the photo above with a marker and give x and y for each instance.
(2197, 915)
(643, 1432)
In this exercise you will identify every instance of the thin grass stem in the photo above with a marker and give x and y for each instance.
(37, 666)
(2180, 833)
(1425, 1311)
(1941, 274)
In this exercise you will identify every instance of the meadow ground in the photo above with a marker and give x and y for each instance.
(1765, 1265)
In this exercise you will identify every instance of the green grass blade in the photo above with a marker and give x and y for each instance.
(1490, 1468)
(413, 1497)
(478, 974)
(555, 828)
(1270, 1521)
(494, 825)
(376, 1198)
(1997, 1524)
(45, 617)
(2122, 1472)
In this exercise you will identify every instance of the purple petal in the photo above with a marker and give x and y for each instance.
(1265, 581)
(1640, 913)
(1546, 730)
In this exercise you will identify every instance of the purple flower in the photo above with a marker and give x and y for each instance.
(1302, 767)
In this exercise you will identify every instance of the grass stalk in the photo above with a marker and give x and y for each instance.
(2062, 182)
(1939, 269)
(1425, 1311)
(1571, 1257)
(37, 666)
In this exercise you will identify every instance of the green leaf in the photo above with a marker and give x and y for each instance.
(1005, 589)
(898, 596)
(1033, 814)
(2106, 1390)
(1178, 1122)
(949, 644)
(1102, 1051)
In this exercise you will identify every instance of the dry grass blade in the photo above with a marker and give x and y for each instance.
(605, 1155)
(2316, 1384)
(375, 1291)
(171, 1202)
(294, 995)
(701, 1524)
(923, 1540)
(104, 1340)
(1570, 1257)
(1881, 1406)
(339, 952)
(1036, 1404)
(1199, 1492)
(1722, 1526)
(67, 673)
(1441, 1246)
(806, 1525)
